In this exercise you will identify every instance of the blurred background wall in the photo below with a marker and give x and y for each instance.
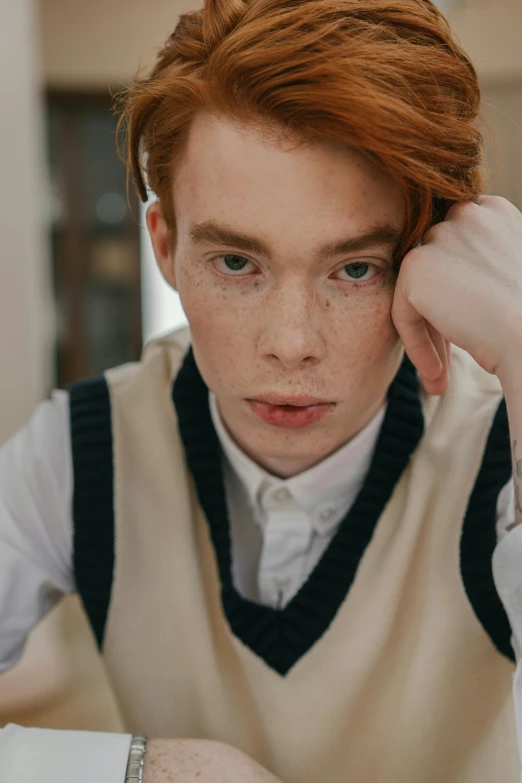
(79, 290)
(25, 302)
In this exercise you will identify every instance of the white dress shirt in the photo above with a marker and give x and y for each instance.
(279, 530)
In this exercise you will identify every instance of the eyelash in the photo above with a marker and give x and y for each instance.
(354, 283)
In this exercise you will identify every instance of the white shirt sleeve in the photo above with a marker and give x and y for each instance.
(505, 520)
(35, 523)
(50, 756)
(36, 485)
(505, 509)
(507, 575)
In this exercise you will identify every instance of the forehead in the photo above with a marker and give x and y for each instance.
(229, 167)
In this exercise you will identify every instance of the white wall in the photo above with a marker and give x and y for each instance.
(161, 305)
(25, 310)
(490, 32)
(102, 42)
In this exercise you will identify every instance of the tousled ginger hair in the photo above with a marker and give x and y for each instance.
(384, 77)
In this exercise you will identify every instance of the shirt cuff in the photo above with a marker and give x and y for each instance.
(49, 756)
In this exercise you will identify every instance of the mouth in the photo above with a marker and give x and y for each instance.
(295, 400)
(290, 412)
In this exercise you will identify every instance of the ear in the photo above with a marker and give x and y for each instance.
(162, 244)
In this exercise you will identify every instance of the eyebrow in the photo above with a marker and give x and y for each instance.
(212, 233)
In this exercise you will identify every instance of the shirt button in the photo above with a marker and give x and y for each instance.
(517, 598)
(327, 513)
(282, 582)
(281, 494)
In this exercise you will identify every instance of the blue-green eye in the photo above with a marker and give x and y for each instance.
(359, 269)
(233, 264)
(356, 270)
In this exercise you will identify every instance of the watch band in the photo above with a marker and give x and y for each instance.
(134, 772)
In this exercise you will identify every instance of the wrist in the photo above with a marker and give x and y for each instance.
(200, 761)
(135, 761)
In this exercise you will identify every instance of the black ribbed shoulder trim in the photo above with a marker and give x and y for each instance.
(92, 508)
(479, 535)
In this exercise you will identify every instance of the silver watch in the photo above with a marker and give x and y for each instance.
(134, 772)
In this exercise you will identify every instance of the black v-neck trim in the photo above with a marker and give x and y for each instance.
(479, 534)
(282, 636)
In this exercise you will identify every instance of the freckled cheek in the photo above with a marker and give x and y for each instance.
(197, 297)
(384, 331)
(368, 318)
(370, 342)
(384, 340)
(217, 319)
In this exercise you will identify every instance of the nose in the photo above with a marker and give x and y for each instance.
(291, 333)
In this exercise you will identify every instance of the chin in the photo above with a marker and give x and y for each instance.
(292, 444)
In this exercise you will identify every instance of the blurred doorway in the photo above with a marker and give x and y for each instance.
(95, 238)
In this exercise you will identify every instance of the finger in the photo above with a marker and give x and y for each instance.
(448, 350)
(442, 346)
(416, 337)
(440, 343)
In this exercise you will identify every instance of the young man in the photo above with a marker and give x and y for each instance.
(293, 525)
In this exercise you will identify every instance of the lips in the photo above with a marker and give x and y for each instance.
(299, 400)
(296, 414)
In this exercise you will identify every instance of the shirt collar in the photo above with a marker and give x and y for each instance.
(333, 482)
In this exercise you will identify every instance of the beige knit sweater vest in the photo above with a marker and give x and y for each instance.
(407, 684)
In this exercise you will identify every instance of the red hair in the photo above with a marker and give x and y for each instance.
(385, 77)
